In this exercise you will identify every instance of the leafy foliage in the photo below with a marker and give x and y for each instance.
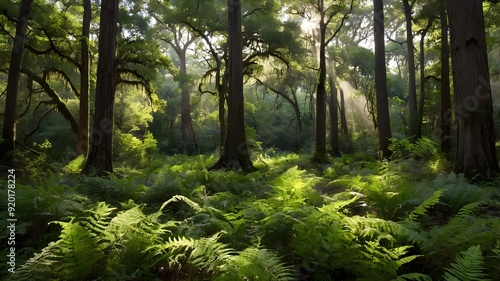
(286, 221)
(469, 265)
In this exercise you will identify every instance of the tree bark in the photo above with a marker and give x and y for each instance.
(187, 134)
(384, 127)
(422, 76)
(446, 118)
(100, 157)
(334, 119)
(412, 84)
(83, 124)
(476, 153)
(320, 147)
(235, 154)
(9, 124)
(343, 119)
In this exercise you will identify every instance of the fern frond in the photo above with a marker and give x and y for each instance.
(254, 263)
(97, 220)
(80, 252)
(180, 198)
(75, 256)
(422, 208)
(472, 208)
(192, 255)
(469, 265)
(413, 276)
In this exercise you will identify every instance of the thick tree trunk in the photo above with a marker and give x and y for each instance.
(235, 154)
(446, 117)
(412, 84)
(384, 127)
(422, 77)
(187, 133)
(100, 157)
(476, 154)
(9, 122)
(320, 147)
(221, 81)
(83, 124)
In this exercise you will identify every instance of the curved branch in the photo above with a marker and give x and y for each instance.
(65, 76)
(61, 106)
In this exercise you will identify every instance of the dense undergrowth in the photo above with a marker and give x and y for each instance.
(353, 219)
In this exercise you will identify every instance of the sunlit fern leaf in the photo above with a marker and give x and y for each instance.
(469, 265)
(256, 264)
(179, 198)
(80, 251)
(97, 220)
(422, 208)
(188, 254)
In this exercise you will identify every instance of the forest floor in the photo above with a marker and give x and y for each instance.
(355, 218)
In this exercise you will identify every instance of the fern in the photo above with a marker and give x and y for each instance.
(80, 252)
(191, 255)
(422, 208)
(256, 264)
(469, 265)
(74, 257)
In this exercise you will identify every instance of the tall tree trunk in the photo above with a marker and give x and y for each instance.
(221, 81)
(298, 117)
(334, 119)
(100, 157)
(83, 124)
(446, 117)
(9, 122)
(187, 134)
(384, 126)
(476, 154)
(412, 84)
(320, 147)
(235, 154)
(343, 119)
(422, 76)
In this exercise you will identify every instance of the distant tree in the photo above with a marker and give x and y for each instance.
(235, 154)
(9, 126)
(423, 33)
(446, 118)
(83, 124)
(384, 127)
(100, 156)
(476, 153)
(412, 84)
(343, 119)
(179, 38)
(327, 12)
(334, 117)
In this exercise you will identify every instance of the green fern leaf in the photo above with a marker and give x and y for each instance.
(256, 264)
(179, 198)
(469, 265)
(422, 208)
